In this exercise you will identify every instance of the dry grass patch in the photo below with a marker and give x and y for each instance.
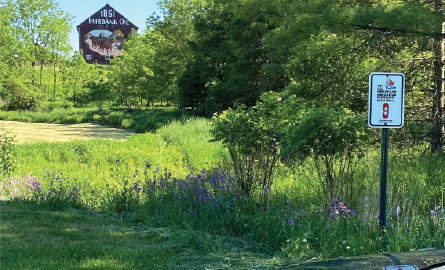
(40, 132)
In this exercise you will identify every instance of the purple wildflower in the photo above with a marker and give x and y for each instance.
(37, 185)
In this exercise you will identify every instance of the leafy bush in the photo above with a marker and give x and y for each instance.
(127, 123)
(50, 106)
(8, 157)
(335, 141)
(20, 96)
(250, 135)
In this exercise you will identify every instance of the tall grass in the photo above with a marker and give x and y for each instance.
(177, 178)
(192, 137)
(174, 146)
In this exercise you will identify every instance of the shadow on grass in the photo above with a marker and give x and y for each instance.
(74, 239)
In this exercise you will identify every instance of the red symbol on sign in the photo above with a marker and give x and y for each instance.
(385, 110)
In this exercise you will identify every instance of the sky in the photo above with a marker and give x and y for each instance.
(136, 11)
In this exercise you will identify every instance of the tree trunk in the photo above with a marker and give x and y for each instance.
(437, 110)
(74, 92)
(41, 71)
(55, 77)
(32, 74)
(74, 95)
(49, 91)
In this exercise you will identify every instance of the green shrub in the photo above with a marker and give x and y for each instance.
(69, 119)
(8, 157)
(50, 106)
(80, 118)
(127, 123)
(96, 117)
(334, 141)
(250, 135)
(20, 96)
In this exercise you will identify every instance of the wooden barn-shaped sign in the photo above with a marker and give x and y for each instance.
(102, 36)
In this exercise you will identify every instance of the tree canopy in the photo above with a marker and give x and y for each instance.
(210, 56)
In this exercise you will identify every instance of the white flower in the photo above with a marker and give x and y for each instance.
(348, 247)
(304, 240)
(344, 242)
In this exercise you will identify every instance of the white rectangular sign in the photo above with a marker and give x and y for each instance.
(386, 100)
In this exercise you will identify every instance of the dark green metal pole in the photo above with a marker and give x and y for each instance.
(383, 178)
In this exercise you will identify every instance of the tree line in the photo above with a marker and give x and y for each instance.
(210, 56)
(215, 55)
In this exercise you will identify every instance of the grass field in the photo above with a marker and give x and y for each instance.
(171, 195)
(41, 132)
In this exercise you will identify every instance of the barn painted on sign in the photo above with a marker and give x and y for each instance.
(102, 36)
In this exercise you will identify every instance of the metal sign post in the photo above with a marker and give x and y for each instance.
(383, 178)
(385, 111)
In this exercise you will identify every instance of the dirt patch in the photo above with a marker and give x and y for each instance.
(38, 132)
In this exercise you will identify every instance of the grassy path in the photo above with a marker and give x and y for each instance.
(39, 132)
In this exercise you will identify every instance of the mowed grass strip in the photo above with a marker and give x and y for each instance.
(32, 238)
(40, 132)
